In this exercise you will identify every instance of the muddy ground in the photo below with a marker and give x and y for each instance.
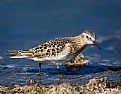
(94, 86)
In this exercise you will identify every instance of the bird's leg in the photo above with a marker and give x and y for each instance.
(40, 67)
(58, 71)
(40, 72)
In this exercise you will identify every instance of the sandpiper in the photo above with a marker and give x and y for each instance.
(57, 51)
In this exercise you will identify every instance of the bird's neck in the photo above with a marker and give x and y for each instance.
(79, 42)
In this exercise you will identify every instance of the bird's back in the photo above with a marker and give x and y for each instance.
(57, 49)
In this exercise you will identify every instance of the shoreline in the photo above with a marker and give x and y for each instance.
(94, 86)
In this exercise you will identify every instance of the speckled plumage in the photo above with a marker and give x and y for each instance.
(59, 50)
(52, 48)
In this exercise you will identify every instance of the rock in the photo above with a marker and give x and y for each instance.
(76, 63)
(95, 86)
(31, 81)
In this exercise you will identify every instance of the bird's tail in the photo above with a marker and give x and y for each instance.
(19, 53)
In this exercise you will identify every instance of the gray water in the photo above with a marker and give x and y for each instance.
(27, 23)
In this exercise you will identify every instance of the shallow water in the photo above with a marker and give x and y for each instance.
(25, 24)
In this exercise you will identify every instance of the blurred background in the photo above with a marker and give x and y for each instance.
(27, 23)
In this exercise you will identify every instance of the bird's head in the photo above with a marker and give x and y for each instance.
(89, 38)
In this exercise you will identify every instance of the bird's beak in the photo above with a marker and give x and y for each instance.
(96, 44)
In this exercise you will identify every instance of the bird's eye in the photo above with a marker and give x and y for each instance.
(87, 37)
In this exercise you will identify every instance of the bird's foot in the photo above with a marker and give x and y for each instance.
(40, 74)
(61, 76)
(57, 72)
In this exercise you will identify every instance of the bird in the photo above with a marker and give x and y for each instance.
(57, 51)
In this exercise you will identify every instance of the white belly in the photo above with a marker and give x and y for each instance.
(56, 59)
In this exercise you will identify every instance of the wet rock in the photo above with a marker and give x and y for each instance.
(95, 86)
(31, 81)
(76, 63)
(114, 84)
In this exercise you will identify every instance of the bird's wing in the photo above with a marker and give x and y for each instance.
(46, 49)
(52, 48)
